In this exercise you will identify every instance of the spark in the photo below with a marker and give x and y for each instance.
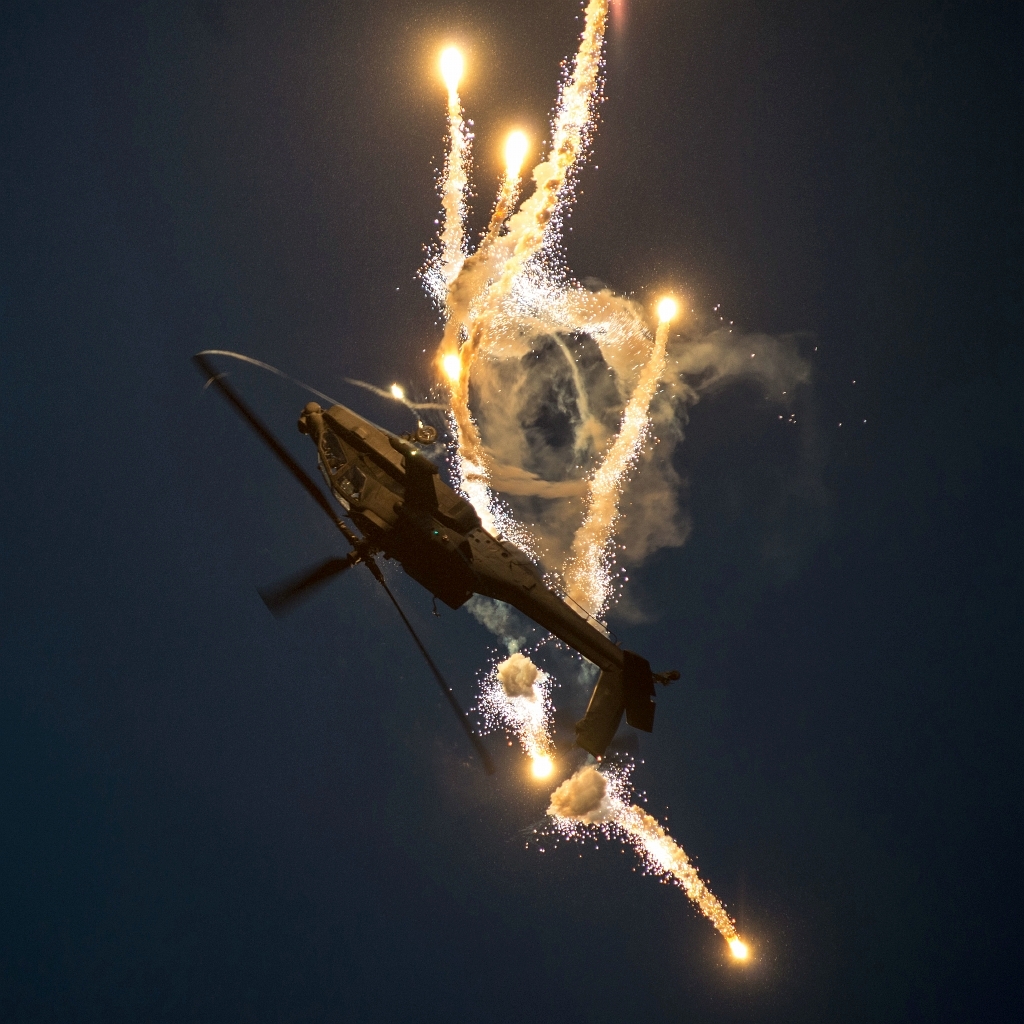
(516, 696)
(397, 391)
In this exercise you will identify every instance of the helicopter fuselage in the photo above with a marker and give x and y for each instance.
(394, 494)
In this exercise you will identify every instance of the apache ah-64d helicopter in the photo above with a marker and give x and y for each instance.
(402, 509)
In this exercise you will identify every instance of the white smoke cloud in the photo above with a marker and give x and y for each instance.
(546, 436)
(516, 697)
(583, 797)
(502, 620)
(517, 675)
(593, 798)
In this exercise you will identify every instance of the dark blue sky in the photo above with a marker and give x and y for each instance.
(210, 815)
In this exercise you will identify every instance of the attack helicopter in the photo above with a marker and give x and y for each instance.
(400, 508)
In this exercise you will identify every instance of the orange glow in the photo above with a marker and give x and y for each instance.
(515, 152)
(667, 309)
(452, 366)
(452, 67)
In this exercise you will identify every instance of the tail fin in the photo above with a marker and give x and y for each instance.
(629, 689)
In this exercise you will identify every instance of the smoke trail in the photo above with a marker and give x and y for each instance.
(528, 228)
(510, 626)
(591, 798)
(516, 696)
(456, 172)
(509, 302)
(389, 393)
(572, 130)
(588, 574)
(469, 462)
(470, 311)
(508, 191)
(620, 15)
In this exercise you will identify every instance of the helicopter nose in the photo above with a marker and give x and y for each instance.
(311, 409)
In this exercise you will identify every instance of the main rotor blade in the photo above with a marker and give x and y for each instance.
(318, 496)
(282, 598)
(481, 750)
(274, 445)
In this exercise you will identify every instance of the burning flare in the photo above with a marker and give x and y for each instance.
(451, 69)
(515, 153)
(667, 309)
(456, 172)
(590, 798)
(473, 302)
(452, 365)
(589, 573)
(516, 696)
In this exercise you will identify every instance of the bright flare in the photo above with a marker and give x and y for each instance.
(451, 67)
(595, 799)
(452, 366)
(527, 230)
(515, 152)
(455, 180)
(510, 289)
(516, 697)
(667, 309)
(397, 392)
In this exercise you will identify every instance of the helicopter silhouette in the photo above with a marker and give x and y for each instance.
(400, 508)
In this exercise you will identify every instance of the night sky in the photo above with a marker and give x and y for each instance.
(211, 815)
